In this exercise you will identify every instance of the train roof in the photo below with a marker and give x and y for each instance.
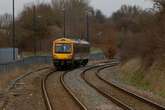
(79, 41)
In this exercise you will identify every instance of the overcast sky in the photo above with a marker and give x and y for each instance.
(107, 6)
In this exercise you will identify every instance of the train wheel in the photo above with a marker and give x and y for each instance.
(77, 63)
(84, 62)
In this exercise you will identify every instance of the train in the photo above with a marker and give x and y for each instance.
(70, 52)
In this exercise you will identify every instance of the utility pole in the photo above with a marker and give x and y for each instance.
(64, 22)
(87, 27)
(34, 30)
(13, 32)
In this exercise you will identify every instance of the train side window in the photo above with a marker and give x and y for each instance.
(81, 48)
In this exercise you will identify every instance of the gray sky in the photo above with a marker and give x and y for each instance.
(107, 6)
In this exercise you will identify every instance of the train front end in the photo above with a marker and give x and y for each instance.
(62, 52)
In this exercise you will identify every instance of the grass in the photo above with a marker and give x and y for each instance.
(96, 50)
(151, 80)
(162, 93)
(136, 79)
(29, 54)
(5, 78)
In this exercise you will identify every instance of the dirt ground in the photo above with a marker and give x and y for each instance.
(27, 93)
(6, 78)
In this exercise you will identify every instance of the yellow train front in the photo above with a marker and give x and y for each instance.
(70, 52)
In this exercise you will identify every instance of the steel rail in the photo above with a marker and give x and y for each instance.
(83, 107)
(14, 82)
(141, 98)
(68, 90)
(45, 92)
(46, 96)
(113, 99)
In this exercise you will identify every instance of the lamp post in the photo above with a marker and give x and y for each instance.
(64, 14)
(64, 20)
(87, 25)
(13, 31)
(34, 31)
(38, 18)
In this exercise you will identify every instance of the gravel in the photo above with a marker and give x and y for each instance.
(89, 96)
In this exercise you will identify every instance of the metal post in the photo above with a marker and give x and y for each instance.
(64, 22)
(13, 32)
(87, 26)
(64, 17)
(34, 30)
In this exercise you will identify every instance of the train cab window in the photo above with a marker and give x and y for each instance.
(63, 48)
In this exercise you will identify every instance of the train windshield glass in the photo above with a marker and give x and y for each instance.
(63, 48)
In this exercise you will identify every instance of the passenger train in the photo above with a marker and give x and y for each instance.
(70, 52)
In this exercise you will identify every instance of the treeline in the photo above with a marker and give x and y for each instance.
(130, 32)
(141, 33)
(39, 23)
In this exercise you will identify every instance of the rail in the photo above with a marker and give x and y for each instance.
(148, 101)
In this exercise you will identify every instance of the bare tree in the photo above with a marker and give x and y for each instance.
(159, 4)
(5, 20)
(75, 11)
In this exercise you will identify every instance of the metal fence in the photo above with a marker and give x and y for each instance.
(97, 56)
(6, 67)
(6, 54)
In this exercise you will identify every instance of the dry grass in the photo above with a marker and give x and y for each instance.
(6, 78)
(151, 79)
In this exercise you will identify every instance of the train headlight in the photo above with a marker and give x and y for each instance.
(70, 56)
(55, 56)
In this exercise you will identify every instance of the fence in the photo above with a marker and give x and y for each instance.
(6, 67)
(6, 54)
(97, 56)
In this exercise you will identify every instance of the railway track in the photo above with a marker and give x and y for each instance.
(113, 99)
(106, 88)
(20, 78)
(45, 92)
(83, 107)
(141, 98)
(14, 82)
(47, 98)
(106, 91)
